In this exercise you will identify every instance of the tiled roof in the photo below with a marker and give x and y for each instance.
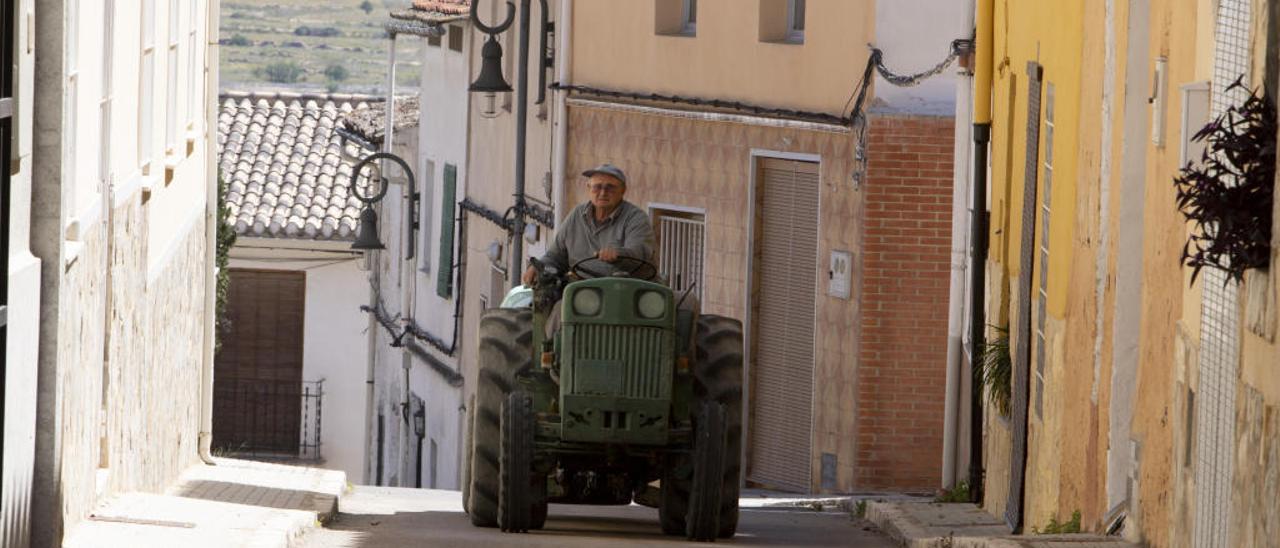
(286, 174)
(435, 11)
(368, 123)
(452, 7)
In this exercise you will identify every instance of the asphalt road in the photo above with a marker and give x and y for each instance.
(375, 517)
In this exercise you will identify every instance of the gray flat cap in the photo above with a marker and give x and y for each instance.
(607, 169)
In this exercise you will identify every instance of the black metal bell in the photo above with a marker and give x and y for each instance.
(490, 79)
(367, 237)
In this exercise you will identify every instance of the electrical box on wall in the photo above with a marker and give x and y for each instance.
(840, 274)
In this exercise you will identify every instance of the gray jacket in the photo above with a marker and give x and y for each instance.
(580, 237)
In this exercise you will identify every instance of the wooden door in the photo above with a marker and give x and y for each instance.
(258, 371)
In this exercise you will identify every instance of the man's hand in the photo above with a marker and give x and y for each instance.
(530, 275)
(608, 254)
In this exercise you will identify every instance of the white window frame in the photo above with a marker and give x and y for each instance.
(427, 205)
(171, 86)
(108, 91)
(146, 86)
(195, 70)
(794, 8)
(689, 17)
(71, 103)
(692, 215)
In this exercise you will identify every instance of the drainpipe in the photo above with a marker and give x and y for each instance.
(959, 252)
(564, 30)
(978, 274)
(211, 222)
(388, 145)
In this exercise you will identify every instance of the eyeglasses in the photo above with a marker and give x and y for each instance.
(607, 187)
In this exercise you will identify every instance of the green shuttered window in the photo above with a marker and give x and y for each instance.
(444, 269)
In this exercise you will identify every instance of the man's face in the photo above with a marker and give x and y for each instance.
(606, 192)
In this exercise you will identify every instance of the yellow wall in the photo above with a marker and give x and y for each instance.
(1054, 36)
(626, 54)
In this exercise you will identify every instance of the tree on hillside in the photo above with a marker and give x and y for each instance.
(282, 73)
(336, 72)
(367, 6)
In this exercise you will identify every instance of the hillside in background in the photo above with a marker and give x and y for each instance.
(313, 45)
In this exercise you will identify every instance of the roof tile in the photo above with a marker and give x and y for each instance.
(285, 165)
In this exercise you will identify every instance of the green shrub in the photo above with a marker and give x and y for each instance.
(336, 72)
(958, 493)
(995, 367)
(1056, 528)
(225, 239)
(282, 73)
(367, 6)
(239, 40)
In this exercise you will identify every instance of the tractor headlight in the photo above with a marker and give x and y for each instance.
(651, 305)
(586, 302)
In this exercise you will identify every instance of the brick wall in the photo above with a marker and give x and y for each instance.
(905, 276)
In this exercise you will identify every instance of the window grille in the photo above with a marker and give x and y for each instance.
(681, 250)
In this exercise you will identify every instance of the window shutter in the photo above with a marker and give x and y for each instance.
(444, 269)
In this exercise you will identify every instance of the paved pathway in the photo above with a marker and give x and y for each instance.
(373, 517)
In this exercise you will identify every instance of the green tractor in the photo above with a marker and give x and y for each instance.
(633, 398)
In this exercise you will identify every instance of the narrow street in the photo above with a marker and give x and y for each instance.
(374, 517)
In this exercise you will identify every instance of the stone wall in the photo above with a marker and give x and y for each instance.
(146, 392)
(1255, 516)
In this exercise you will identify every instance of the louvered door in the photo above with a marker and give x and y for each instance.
(258, 377)
(784, 323)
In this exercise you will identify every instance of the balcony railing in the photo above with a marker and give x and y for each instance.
(269, 419)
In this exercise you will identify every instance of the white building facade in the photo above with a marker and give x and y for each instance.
(108, 359)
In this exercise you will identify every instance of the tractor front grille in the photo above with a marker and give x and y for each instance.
(645, 366)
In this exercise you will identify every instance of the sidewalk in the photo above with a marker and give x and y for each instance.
(236, 503)
(956, 525)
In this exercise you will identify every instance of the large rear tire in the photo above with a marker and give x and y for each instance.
(468, 448)
(517, 490)
(506, 349)
(718, 370)
(703, 517)
(717, 374)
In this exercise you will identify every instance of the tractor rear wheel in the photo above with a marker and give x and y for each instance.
(467, 446)
(718, 378)
(518, 493)
(506, 349)
(703, 517)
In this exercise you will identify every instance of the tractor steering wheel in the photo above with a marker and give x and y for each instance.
(641, 265)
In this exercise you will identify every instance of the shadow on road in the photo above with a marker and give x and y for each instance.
(591, 526)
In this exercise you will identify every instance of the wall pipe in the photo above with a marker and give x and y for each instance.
(959, 254)
(564, 75)
(204, 439)
(977, 280)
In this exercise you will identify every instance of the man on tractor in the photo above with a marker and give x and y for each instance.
(606, 227)
(629, 396)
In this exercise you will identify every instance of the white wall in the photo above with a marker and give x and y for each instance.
(335, 350)
(442, 131)
(21, 354)
(915, 35)
(104, 242)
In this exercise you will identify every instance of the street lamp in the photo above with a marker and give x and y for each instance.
(491, 81)
(420, 428)
(367, 236)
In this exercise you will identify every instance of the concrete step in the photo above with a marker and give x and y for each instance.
(235, 503)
